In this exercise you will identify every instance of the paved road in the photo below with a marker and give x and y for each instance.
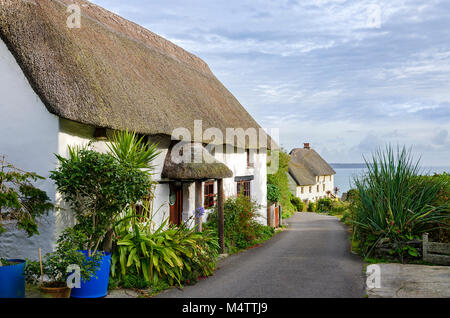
(310, 259)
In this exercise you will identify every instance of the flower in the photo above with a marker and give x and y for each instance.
(199, 212)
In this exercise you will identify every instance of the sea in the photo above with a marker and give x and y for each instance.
(346, 172)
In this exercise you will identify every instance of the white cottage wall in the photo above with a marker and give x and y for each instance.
(75, 134)
(29, 139)
(314, 195)
(237, 162)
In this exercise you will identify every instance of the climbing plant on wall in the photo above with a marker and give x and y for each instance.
(280, 180)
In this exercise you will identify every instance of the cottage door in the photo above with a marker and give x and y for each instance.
(277, 216)
(176, 205)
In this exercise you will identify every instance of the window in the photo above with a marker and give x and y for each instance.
(324, 187)
(208, 195)
(303, 190)
(318, 188)
(244, 188)
(310, 189)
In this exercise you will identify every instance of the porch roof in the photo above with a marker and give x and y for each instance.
(191, 161)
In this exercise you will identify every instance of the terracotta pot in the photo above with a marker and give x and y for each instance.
(56, 292)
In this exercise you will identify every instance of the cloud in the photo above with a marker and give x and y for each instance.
(318, 70)
(441, 138)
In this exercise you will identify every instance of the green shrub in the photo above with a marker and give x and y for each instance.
(273, 193)
(20, 200)
(98, 187)
(352, 195)
(241, 229)
(311, 207)
(280, 180)
(297, 203)
(442, 232)
(133, 279)
(167, 254)
(395, 203)
(55, 264)
(339, 207)
(324, 205)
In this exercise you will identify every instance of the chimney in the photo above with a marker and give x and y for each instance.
(306, 145)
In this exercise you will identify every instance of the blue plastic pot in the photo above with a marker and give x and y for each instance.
(12, 280)
(96, 287)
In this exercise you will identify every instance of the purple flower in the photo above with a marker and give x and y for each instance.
(199, 212)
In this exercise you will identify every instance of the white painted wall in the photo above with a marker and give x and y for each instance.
(29, 139)
(314, 195)
(237, 162)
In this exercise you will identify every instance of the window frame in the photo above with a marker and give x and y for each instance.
(247, 187)
(208, 195)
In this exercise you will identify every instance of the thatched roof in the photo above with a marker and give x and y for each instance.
(207, 167)
(301, 174)
(306, 165)
(114, 73)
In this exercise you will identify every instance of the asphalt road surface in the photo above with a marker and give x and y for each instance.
(311, 258)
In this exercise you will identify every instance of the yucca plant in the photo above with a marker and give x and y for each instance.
(128, 148)
(395, 204)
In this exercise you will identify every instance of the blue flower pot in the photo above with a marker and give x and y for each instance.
(12, 280)
(96, 287)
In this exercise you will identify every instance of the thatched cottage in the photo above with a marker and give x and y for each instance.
(62, 86)
(310, 176)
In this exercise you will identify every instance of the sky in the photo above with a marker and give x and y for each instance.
(348, 76)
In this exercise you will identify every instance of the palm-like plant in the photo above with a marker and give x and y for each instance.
(128, 148)
(166, 253)
(395, 202)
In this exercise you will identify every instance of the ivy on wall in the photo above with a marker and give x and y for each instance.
(279, 182)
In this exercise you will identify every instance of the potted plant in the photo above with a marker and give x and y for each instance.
(98, 187)
(56, 267)
(21, 204)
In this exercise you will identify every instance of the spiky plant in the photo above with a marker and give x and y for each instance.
(395, 203)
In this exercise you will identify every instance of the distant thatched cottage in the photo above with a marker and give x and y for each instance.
(310, 176)
(62, 86)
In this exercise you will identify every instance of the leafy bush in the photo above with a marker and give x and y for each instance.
(297, 203)
(339, 207)
(395, 204)
(442, 232)
(20, 200)
(55, 264)
(241, 229)
(203, 261)
(280, 180)
(98, 187)
(273, 193)
(324, 205)
(167, 254)
(311, 207)
(352, 195)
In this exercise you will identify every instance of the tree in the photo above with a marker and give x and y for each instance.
(20, 200)
(98, 188)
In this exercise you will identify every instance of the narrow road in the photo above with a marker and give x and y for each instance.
(310, 259)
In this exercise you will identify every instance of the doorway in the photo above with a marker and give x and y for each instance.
(176, 204)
